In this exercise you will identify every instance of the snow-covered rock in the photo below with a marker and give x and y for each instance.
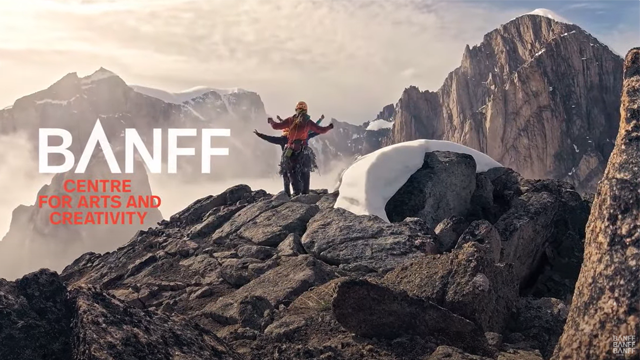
(368, 184)
(379, 124)
(550, 14)
(183, 96)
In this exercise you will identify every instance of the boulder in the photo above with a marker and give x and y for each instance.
(291, 246)
(374, 311)
(441, 188)
(466, 281)
(448, 232)
(540, 321)
(279, 286)
(483, 233)
(339, 237)
(272, 227)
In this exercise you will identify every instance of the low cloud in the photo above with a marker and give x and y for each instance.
(19, 177)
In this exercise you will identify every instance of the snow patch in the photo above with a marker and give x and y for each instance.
(185, 95)
(379, 124)
(368, 184)
(57, 102)
(540, 52)
(575, 148)
(98, 75)
(549, 14)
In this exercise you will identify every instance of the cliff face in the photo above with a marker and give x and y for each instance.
(537, 95)
(605, 304)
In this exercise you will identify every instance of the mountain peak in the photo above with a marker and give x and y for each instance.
(549, 14)
(99, 74)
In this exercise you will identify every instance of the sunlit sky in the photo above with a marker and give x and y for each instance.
(346, 58)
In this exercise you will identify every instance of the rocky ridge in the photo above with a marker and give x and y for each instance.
(249, 275)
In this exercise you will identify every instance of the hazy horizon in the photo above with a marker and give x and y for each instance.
(346, 58)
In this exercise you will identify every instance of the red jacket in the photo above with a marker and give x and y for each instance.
(299, 128)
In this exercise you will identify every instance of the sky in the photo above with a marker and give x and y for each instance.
(346, 58)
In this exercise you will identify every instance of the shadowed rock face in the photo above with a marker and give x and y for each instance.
(607, 298)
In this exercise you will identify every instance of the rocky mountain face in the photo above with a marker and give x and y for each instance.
(605, 307)
(249, 275)
(537, 95)
(75, 103)
(37, 237)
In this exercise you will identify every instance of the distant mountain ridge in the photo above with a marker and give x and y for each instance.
(75, 103)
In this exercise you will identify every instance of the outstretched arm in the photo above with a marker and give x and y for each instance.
(319, 129)
(278, 140)
(280, 125)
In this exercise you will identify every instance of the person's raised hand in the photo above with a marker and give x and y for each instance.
(322, 117)
(331, 126)
(270, 120)
(255, 131)
(279, 118)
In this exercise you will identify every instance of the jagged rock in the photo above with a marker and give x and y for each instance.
(239, 272)
(494, 339)
(483, 233)
(451, 353)
(291, 246)
(466, 281)
(373, 311)
(35, 318)
(541, 222)
(506, 187)
(309, 199)
(540, 321)
(195, 212)
(285, 327)
(448, 232)
(256, 252)
(441, 188)
(482, 206)
(244, 216)
(327, 201)
(339, 237)
(272, 227)
(213, 220)
(605, 303)
(107, 328)
(41, 319)
(278, 286)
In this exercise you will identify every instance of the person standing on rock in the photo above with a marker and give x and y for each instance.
(298, 161)
(282, 141)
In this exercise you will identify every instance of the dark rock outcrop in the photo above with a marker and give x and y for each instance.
(607, 297)
(442, 187)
